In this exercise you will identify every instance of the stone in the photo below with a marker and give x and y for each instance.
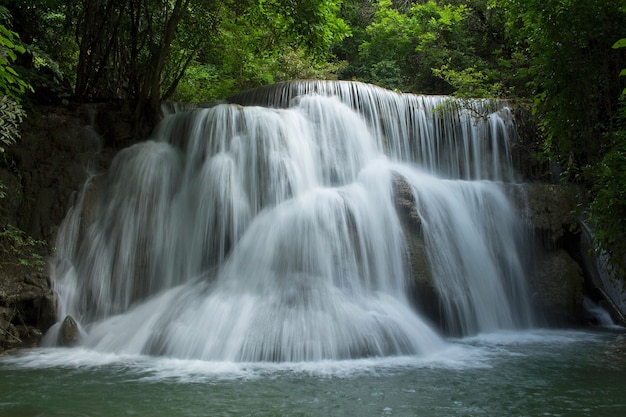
(422, 292)
(26, 305)
(549, 209)
(602, 280)
(69, 333)
(556, 289)
(58, 148)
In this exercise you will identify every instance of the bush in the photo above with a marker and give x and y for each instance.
(11, 116)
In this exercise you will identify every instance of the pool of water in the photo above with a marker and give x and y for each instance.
(533, 373)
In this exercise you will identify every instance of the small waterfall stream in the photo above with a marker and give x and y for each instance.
(268, 230)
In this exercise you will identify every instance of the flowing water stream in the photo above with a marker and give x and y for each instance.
(250, 259)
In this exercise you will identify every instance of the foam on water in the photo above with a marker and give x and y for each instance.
(477, 352)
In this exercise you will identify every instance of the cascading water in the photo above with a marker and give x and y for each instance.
(248, 233)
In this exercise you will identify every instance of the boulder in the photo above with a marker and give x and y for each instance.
(69, 333)
(556, 289)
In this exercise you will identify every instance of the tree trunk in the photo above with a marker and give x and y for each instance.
(148, 111)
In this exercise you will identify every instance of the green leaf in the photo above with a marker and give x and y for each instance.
(620, 44)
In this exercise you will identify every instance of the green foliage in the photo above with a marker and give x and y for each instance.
(47, 48)
(431, 47)
(11, 116)
(572, 74)
(202, 82)
(471, 82)
(298, 64)
(21, 249)
(11, 84)
(608, 209)
(12, 87)
(263, 42)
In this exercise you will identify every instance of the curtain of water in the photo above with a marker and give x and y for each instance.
(259, 233)
(460, 139)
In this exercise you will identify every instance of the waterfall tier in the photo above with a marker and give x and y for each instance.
(243, 232)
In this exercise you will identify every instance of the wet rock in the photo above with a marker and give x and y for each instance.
(602, 279)
(422, 291)
(59, 147)
(557, 289)
(9, 206)
(69, 332)
(26, 306)
(549, 209)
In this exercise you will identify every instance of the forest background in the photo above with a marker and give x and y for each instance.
(562, 60)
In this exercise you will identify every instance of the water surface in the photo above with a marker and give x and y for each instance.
(533, 373)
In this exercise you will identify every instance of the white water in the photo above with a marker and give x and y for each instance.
(246, 234)
(598, 313)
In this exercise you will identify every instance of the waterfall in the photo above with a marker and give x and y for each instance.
(269, 230)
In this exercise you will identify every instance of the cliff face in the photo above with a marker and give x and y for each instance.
(59, 147)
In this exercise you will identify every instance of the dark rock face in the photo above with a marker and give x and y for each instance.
(550, 209)
(27, 306)
(557, 289)
(59, 147)
(556, 282)
(602, 281)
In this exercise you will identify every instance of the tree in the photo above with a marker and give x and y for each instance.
(141, 49)
(430, 47)
(12, 88)
(11, 84)
(608, 209)
(572, 73)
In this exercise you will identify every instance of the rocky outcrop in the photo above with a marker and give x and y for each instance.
(59, 147)
(550, 210)
(26, 305)
(556, 281)
(556, 288)
(422, 291)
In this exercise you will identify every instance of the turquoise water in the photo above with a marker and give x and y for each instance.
(535, 373)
